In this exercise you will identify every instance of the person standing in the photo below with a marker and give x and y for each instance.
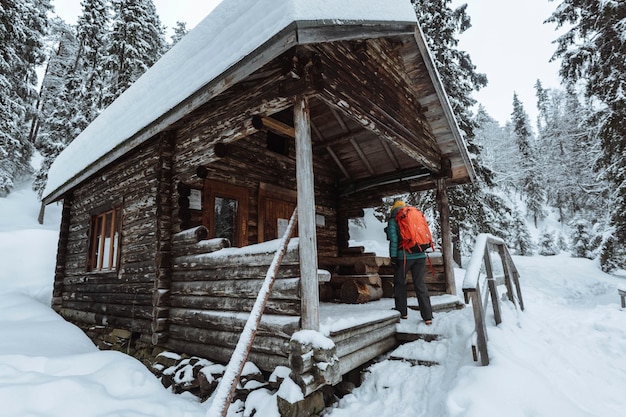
(402, 262)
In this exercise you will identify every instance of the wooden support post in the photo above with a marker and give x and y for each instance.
(481, 330)
(306, 214)
(491, 284)
(446, 236)
(508, 279)
(515, 276)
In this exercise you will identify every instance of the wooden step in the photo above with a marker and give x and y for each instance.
(427, 350)
(404, 337)
(415, 362)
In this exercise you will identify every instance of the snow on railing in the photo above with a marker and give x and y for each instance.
(479, 287)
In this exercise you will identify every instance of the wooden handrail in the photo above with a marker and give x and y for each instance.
(479, 288)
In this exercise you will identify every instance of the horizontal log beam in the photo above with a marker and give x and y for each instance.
(269, 344)
(285, 307)
(265, 362)
(280, 325)
(233, 273)
(283, 289)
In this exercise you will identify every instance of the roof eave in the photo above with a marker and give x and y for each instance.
(297, 33)
(445, 102)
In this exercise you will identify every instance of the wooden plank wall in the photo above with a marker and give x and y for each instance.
(124, 297)
(247, 164)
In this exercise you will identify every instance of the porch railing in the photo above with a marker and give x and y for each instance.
(479, 287)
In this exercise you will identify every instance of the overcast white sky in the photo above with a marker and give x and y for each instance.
(508, 41)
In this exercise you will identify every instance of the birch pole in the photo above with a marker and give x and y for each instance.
(226, 388)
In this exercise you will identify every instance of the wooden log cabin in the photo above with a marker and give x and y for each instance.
(175, 196)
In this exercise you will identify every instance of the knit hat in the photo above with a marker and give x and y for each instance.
(397, 204)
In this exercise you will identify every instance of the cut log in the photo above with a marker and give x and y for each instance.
(190, 236)
(327, 292)
(353, 250)
(358, 268)
(371, 260)
(337, 280)
(204, 246)
(357, 292)
(387, 285)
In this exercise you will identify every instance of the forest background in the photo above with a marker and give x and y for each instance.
(55, 78)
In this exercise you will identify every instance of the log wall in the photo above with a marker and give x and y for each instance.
(122, 297)
(214, 288)
(249, 163)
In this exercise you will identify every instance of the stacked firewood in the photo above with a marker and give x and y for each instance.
(359, 277)
(354, 278)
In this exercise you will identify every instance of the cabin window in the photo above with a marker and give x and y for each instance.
(225, 218)
(225, 212)
(278, 144)
(105, 245)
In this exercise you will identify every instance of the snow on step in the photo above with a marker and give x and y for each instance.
(421, 352)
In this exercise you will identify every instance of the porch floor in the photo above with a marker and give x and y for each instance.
(338, 317)
(362, 332)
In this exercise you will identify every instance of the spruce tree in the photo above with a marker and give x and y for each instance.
(23, 26)
(593, 53)
(179, 32)
(531, 180)
(136, 42)
(49, 129)
(77, 70)
(547, 244)
(472, 206)
(568, 150)
(581, 238)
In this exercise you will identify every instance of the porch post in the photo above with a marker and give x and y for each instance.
(446, 237)
(306, 214)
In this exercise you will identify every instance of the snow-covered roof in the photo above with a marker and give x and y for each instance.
(234, 30)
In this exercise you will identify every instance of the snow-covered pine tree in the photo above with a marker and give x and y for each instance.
(523, 243)
(22, 28)
(49, 129)
(474, 208)
(179, 32)
(593, 53)
(92, 31)
(79, 61)
(547, 244)
(568, 150)
(497, 150)
(581, 239)
(531, 180)
(136, 42)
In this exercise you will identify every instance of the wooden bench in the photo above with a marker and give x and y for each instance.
(622, 294)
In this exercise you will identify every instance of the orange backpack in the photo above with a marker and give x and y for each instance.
(414, 231)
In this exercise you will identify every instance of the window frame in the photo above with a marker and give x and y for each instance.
(213, 189)
(98, 246)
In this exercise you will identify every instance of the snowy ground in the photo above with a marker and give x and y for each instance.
(564, 355)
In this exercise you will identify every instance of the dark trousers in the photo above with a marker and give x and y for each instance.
(417, 268)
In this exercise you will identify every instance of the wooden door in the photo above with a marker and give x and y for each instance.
(276, 206)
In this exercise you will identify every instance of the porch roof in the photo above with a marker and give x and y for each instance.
(230, 44)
